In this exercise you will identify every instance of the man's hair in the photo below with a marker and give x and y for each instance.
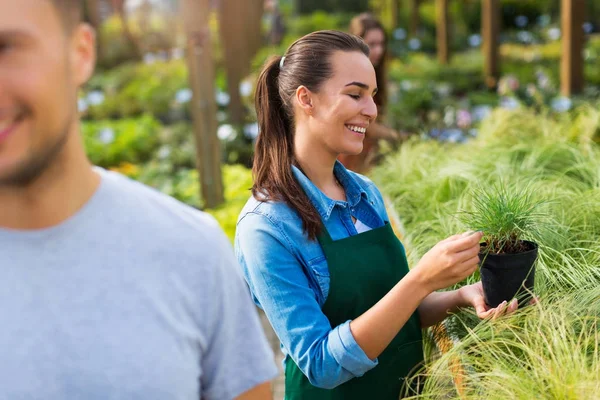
(70, 12)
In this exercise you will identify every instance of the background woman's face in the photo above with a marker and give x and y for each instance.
(375, 39)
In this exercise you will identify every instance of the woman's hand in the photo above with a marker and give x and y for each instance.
(472, 295)
(450, 261)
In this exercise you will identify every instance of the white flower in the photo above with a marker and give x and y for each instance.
(509, 103)
(106, 135)
(251, 131)
(544, 20)
(449, 116)
(554, 33)
(525, 37)
(82, 105)
(245, 88)
(475, 40)
(164, 152)
(177, 53)
(414, 44)
(226, 132)
(222, 98)
(542, 80)
(443, 89)
(561, 104)
(95, 98)
(406, 85)
(399, 34)
(183, 96)
(481, 112)
(521, 21)
(149, 58)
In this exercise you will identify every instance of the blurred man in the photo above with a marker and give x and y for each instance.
(109, 289)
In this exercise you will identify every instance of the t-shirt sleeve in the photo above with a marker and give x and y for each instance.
(237, 356)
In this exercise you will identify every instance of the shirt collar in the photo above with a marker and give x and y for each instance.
(324, 204)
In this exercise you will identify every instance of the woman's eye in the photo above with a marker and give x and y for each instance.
(354, 96)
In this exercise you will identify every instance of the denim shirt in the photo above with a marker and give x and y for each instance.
(289, 279)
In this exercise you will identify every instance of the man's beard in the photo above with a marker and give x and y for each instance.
(35, 164)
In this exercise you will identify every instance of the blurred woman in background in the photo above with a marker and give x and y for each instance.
(372, 32)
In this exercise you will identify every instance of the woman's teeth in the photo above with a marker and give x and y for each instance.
(357, 129)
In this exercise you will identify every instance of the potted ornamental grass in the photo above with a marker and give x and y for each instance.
(510, 219)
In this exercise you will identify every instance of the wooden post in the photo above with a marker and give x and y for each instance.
(571, 71)
(414, 17)
(93, 9)
(443, 31)
(204, 107)
(240, 29)
(394, 15)
(490, 30)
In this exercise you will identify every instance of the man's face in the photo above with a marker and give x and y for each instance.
(41, 68)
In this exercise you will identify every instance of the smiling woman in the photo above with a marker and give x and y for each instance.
(314, 240)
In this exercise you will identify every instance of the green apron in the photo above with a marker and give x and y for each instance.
(363, 268)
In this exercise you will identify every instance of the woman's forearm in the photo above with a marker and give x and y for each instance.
(438, 305)
(375, 329)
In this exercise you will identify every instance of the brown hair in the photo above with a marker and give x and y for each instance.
(306, 63)
(70, 12)
(359, 26)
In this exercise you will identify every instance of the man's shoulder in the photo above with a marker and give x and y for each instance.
(161, 217)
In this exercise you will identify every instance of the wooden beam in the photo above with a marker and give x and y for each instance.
(414, 17)
(394, 15)
(571, 71)
(490, 31)
(203, 107)
(442, 31)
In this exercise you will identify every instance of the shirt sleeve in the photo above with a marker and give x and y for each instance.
(328, 356)
(238, 356)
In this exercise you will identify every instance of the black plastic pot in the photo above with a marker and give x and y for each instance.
(505, 276)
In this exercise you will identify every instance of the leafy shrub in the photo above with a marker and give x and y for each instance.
(111, 143)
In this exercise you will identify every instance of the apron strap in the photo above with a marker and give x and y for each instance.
(324, 236)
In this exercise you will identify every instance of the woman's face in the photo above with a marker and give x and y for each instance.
(375, 39)
(343, 108)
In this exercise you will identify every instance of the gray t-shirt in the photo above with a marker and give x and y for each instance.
(137, 296)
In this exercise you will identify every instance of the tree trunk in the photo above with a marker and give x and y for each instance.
(240, 29)
(119, 6)
(203, 107)
(394, 14)
(414, 17)
(571, 74)
(490, 31)
(442, 31)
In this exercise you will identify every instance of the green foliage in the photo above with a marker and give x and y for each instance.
(431, 183)
(134, 89)
(527, 175)
(117, 49)
(506, 215)
(319, 20)
(111, 143)
(550, 351)
(347, 6)
(238, 182)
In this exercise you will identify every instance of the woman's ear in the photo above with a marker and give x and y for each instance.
(304, 98)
